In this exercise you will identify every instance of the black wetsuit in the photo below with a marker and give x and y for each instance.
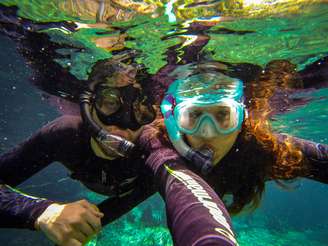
(18, 210)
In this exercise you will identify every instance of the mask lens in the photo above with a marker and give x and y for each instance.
(108, 101)
(189, 118)
(223, 117)
(143, 112)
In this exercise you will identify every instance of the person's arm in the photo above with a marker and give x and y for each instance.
(315, 156)
(64, 224)
(60, 140)
(196, 215)
(18, 210)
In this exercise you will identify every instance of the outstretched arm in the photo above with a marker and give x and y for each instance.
(18, 210)
(196, 215)
(64, 224)
(17, 165)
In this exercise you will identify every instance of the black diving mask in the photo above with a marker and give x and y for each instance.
(126, 107)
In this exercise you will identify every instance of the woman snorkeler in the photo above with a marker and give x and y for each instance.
(238, 148)
(222, 126)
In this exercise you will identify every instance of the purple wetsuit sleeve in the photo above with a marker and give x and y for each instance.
(18, 210)
(195, 214)
(53, 142)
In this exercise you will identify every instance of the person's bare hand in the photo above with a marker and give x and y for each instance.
(70, 224)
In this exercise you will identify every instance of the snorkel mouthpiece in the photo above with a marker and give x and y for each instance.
(118, 145)
(114, 143)
(202, 160)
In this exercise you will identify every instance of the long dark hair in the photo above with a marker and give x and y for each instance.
(271, 158)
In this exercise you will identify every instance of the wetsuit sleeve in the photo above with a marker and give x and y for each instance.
(18, 210)
(316, 156)
(195, 214)
(53, 142)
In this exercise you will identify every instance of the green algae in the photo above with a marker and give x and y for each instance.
(271, 38)
(256, 229)
(84, 53)
(264, 236)
(141, 226)
(40, 10)
(145, 34)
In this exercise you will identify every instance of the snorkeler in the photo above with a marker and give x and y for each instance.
(220, 125)
(68, 137)
(237, 148)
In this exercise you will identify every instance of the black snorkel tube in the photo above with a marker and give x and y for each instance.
(116, 144)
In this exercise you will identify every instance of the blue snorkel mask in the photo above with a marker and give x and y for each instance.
(203, 105)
